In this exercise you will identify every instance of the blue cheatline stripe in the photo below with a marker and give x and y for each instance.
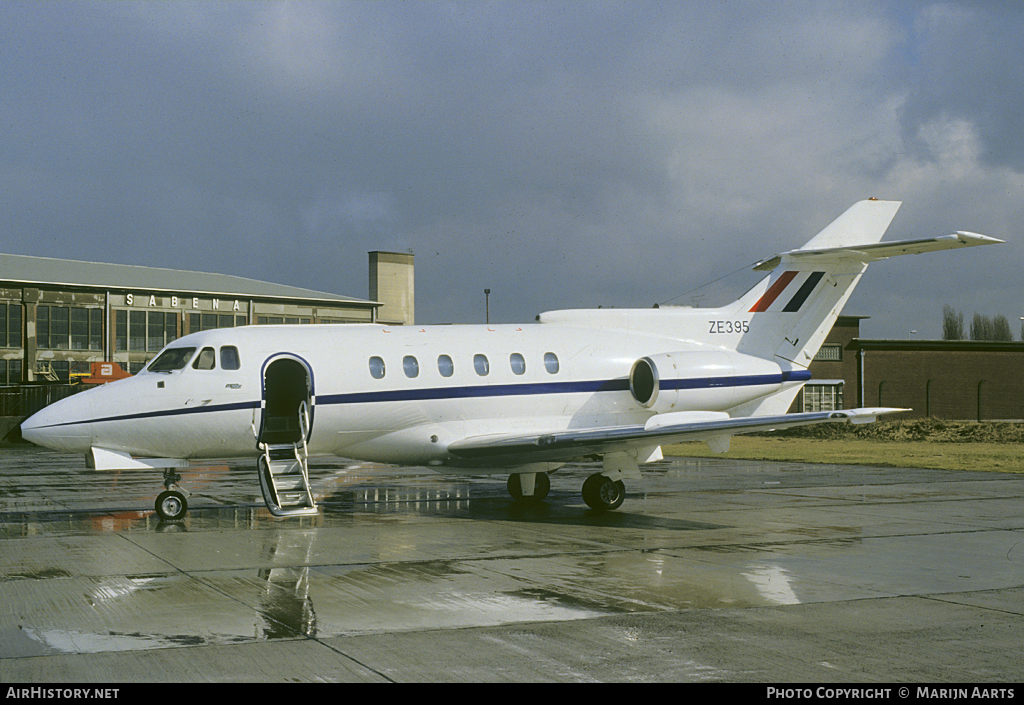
(803, 292)
(741, 381)
(471, 392)
(467, 392)
(237, 406)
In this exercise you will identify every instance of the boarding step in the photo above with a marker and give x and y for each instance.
(284, 480)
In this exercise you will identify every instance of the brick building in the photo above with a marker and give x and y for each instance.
(950, 379)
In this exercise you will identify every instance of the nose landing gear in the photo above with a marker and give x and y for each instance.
(171, 504)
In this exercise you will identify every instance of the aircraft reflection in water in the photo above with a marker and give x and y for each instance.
(289, 595)
(285, 606)
(509, 399)
(153, 605)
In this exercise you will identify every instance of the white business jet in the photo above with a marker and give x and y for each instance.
(473, 399)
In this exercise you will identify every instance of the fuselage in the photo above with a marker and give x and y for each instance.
(402, 394)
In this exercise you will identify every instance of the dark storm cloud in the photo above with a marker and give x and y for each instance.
(561, 154)
(967, 64)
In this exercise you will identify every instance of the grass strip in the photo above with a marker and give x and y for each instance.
(977, 456)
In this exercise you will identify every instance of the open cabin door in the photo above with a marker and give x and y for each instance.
(285, 428)
(287, 402)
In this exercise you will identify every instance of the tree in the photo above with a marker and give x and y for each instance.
(1001, 329)
(981, 327)
(952, 323)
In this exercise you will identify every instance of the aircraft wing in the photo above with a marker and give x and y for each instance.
(714, 427)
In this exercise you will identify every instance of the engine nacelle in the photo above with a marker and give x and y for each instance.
(711, 380)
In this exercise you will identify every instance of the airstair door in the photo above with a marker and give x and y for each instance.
(285, 428)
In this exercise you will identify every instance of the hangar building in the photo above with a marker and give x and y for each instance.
(58, 315)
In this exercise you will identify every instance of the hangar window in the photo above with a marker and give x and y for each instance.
(198, 322)
(481, 365)
(161, 329)
(377, 367)
(445, 366)
(206, 360)
(229, 359)
(518, 363)
(10, 326)
(144, 331)
(411, 366)
(283, 320)
(69, 328)
(824, 395)
(551, 363)
(10, 371)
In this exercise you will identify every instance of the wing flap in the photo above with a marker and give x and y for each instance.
(670, 428)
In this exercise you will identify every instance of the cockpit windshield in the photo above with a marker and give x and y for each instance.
(171, 359)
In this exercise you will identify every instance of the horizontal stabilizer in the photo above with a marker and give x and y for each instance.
(873, 252)
(566, 445)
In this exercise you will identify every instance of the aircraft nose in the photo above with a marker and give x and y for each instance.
(64, 425)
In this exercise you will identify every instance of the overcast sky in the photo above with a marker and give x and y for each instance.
(562, 154)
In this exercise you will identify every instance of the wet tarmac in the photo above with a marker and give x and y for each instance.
(712, 570)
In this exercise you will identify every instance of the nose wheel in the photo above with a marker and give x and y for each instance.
(171, 504)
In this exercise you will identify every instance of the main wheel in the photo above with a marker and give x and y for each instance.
(171, 505)
(601, 493)
(541, 487)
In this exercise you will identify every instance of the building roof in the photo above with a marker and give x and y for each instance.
(937, 345)
(47, 271)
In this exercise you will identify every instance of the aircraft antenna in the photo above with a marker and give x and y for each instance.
(740, 269)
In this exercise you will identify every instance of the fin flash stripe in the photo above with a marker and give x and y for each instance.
(801, 295)
(773, 293)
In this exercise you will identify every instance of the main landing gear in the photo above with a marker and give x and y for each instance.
(600, 492)
(171, 504)
(524, 488)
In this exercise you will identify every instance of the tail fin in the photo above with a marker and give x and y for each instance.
(863, 223)
(793, 309)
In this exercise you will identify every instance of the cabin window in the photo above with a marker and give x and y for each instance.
(551, 363)
(481, 365)
(445, 366)
(229, 359)
(377, 367)
(518, 363)
(171, 359)
(206, 360)
(411, 366)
